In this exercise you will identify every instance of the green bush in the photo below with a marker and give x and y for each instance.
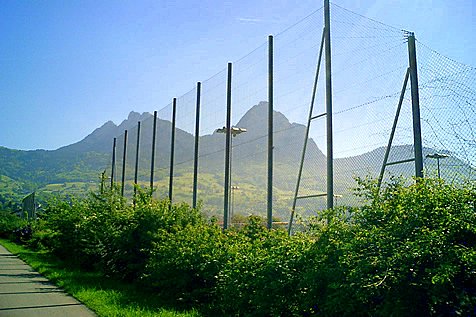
(410, 250)
(261, 272)
(185, 263)
(77, 230)
(419, 246)
(10, 222)
(132, 236)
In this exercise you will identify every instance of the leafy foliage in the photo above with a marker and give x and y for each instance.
(416, 246)
(9, 223)
(410, 250)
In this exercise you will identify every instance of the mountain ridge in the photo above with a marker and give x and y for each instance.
(84, 161)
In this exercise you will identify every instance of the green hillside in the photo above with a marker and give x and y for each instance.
(76, 168)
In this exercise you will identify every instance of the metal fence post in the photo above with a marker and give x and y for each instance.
(124, 163)
(172, 150)
(330, 153)
(137, 161)
(113, 163)
(270, 132)
(417, 142)
(226, 212)
(197, 137)
(152, 159)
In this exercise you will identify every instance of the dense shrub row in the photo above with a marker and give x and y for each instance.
(411, 250)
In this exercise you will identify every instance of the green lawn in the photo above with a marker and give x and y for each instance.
(105, 296)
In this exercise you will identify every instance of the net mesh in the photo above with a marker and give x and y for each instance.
(369, 64)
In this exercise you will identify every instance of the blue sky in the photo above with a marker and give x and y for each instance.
(66, 67)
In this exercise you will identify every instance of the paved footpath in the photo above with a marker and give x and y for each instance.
(26, 293)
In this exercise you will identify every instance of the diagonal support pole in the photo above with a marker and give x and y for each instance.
(309, 119)
(394, 127)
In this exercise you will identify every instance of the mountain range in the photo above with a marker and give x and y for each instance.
(79, 165)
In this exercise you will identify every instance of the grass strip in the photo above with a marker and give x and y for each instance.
(105, 296)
